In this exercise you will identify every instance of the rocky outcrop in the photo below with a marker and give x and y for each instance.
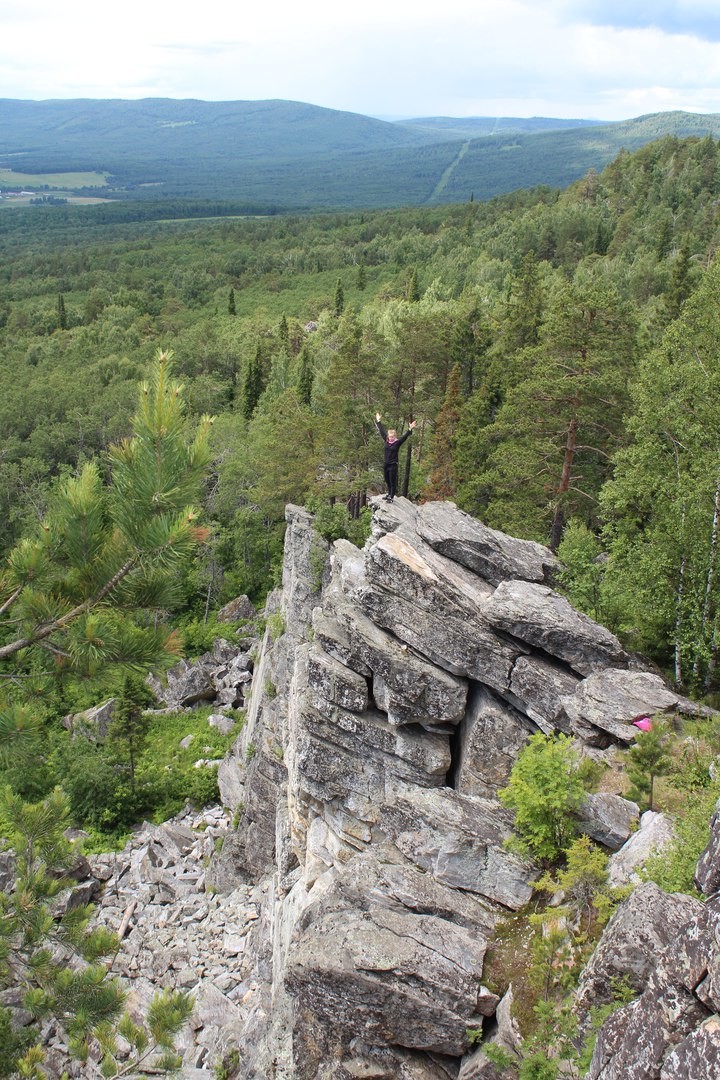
(332, 923)
(671, 1030)
(707, 872)
(387, 713)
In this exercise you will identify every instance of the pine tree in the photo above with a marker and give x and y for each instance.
(232, 310)
(130, 724)
(339, 299)
(61, 313)
(361, 277)
(412, 289)
(306, 377)
(647, 759)
(441, 482)
(469, 344)
(284, 333)
(253, 384)
(662, 505)
(681, 284)
(106, 551)
(549, 449)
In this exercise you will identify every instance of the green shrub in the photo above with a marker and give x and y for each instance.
(673, 869)
(198, 637)
(545, 790)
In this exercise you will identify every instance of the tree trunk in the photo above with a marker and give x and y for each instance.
(406, 477)
(709, 581)
(556, 529)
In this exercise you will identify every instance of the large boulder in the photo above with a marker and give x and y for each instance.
(492, 555)
(383, 962)
(644, 1039)
(654, 835)
(540, 617)
(609, 700)
(707, 871)
(418, 692)
(608, 819)
(491, 736)
(460, 841)
(241, 609)
(639, 931)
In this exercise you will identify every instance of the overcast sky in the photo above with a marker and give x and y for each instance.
(604, 59)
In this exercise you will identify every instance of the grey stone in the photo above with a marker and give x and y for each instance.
(237, 610)
(707, 871)
(459, 840)
(539, 687)
(697, 1056)
(222, 722)
(654, 835)
(335, 682)
(92, 723)
(491, 736)
(492, 555)
(608, 819)
(419, 692)
(643, 1035)
(610, 700)
(377, 967)
(641, 928)
(535, 614)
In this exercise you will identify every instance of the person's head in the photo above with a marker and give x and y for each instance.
(392, 435)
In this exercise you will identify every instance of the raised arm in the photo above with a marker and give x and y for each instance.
(407, 434)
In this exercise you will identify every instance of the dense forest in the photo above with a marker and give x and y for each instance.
(557, 351)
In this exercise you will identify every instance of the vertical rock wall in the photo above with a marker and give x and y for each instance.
(395, 688)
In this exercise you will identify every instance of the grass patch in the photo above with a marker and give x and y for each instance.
(64, 180)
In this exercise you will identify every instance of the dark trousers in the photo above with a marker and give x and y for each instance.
(391, 475)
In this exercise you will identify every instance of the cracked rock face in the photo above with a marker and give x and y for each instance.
(393, 692)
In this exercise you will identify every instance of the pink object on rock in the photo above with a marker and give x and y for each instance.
(644, 723)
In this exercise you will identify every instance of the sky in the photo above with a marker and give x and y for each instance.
(589, 59)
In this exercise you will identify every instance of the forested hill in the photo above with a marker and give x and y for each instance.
(271, 155)
(558, 350)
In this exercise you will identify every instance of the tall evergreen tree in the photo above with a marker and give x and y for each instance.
(306, 377)
(232, 309)
(412, 289)
(253, 383)
(549, 449)
(339, 298)
(469, 343)
(108, 549)
(441, 483)
(61, 313)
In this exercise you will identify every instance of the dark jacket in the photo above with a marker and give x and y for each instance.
(391, 449)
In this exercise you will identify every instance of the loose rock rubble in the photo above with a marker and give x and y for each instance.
(178, 935)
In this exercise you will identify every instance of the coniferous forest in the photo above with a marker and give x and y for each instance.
(557, 350)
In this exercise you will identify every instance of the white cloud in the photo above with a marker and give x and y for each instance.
(384, 57)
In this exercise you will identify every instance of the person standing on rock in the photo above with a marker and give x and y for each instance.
(392, 448)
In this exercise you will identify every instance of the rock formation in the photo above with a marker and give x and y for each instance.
(388, 707)
(332, 922)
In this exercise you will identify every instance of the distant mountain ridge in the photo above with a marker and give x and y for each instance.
(286, 155)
